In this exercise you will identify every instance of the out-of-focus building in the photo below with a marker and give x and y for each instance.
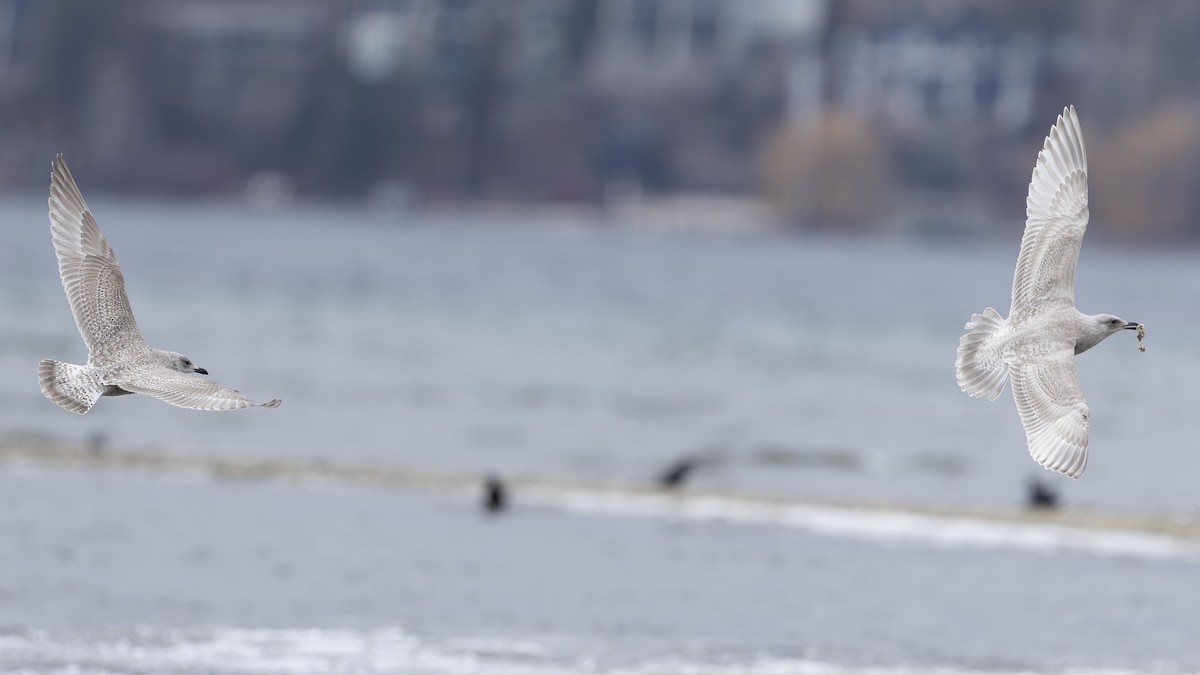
(240, 61)
(15, 42)
(583, 99)
(381, 37)
(17, 79)
(911, 72)
(643, 45)
(947, 63)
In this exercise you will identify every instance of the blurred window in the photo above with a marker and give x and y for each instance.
(645, 22)
(705, 21)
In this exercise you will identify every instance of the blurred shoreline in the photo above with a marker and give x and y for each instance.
(1149, 535)
(845, 113)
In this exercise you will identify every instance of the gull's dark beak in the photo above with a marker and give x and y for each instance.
(205, 372)
(1132, 325)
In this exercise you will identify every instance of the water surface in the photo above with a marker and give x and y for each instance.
(807, 367)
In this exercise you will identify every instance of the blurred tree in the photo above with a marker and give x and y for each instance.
(1145, 178)
(833, 170)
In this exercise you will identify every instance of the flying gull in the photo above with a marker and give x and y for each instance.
(1036, 346)
(119, 360)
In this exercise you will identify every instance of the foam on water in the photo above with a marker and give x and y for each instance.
(947, 531)
(234, 651)
(90, 555)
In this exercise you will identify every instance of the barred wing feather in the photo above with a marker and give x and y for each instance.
(1056, 212)
(90, 274)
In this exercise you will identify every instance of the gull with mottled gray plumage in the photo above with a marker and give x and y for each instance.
(119, 360)
(1035, 346)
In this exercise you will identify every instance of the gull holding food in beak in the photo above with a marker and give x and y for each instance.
(1035, 346)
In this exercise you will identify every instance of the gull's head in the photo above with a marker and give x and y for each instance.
(1110, 324)
(1099, 326)
(1122, 324)
(177, 361)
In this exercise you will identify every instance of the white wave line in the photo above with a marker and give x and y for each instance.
(390, 650)
(875, 524)
(878, 525)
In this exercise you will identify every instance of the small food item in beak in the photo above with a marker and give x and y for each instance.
(1141, 335)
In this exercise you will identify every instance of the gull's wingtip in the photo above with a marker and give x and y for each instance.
(1063, 459)
(1073, 472)
(1067, 116)
(59, 170)
(273, 403)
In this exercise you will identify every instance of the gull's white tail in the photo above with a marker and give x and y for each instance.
(72, 387)
(981, 367)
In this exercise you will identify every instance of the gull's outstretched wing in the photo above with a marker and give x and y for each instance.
(1056, 216)
(187, 391)
(90, 273)
(1053, 411)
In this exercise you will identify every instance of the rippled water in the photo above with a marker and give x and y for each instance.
(140, 574)
(801, 365)
(798, 366)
